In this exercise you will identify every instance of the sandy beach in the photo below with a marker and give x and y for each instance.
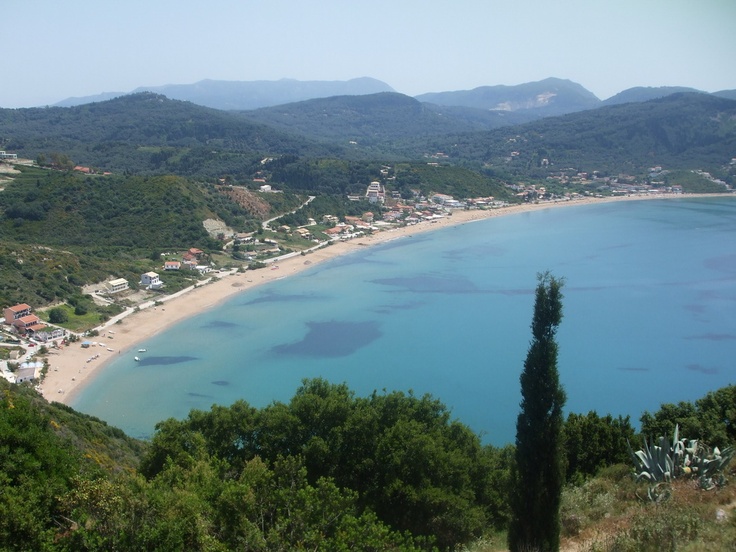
(70, 368)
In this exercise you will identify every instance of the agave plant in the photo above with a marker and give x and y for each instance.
(662, 462)
(656, 462)
(709, 471)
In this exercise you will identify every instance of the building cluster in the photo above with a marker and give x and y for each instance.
(191, 260)
(653, 183)
(255, 247)
(350, 227)
(20, 320)
(396, 211)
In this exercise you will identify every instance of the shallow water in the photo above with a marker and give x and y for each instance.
(649, 317)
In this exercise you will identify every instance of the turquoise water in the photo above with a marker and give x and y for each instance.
(649, 317)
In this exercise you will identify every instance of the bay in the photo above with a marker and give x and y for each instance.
(649, 317)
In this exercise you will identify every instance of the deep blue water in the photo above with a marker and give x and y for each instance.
(649, 317)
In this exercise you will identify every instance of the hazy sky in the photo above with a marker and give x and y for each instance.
(54, 49)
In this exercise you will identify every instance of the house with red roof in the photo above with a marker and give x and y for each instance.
(15, 312)
(28, 324)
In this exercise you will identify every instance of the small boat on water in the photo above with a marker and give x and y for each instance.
(141, 350)
(136, 359)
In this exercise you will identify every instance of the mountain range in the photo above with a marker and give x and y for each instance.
(545, 98)
(148, 133)
(238, 95)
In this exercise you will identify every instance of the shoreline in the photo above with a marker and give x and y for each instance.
(71, 368)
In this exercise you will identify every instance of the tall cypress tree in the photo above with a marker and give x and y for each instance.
(539, 476)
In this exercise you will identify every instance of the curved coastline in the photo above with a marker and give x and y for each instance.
(73, 367)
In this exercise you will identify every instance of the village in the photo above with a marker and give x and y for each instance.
(27, 337)
(24, 333)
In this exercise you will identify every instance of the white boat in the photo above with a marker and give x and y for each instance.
(141, 350)
(136, 359)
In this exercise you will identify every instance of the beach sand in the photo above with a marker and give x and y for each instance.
(70, 368)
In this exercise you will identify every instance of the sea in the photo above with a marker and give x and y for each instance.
(649, 318)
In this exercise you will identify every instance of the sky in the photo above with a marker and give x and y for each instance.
(53, 49)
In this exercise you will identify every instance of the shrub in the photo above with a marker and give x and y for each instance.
(663, 529)
(58, 315)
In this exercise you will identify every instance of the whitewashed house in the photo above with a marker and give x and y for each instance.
(117, 285)
(150, 280)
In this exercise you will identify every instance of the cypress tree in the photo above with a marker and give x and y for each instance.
(539, 471)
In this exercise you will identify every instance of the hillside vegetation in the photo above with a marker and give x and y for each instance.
(325, 471)
(150, 134)
(62, 230)
(378, 121)
(682, 131)
(147, 133)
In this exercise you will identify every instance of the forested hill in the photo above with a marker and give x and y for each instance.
(145, 133)
(686, 131)
(646, 93)
(150, 134)
(382, 121)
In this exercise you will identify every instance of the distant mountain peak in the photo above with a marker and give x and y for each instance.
(645, 93)
(246, 95)
(553, 96)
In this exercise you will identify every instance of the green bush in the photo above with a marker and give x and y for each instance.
(664, 529)
(58, 315)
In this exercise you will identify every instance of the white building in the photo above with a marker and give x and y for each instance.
(151, 280)
(375, 193)
(28, 371)
(117, 285)
(442, 199)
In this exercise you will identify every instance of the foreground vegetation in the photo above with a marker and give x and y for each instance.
(326, 471)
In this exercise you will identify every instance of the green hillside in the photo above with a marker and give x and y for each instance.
(330, 471)
(147, 133)
(61, 230)
(682, 131)
(379, 122)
